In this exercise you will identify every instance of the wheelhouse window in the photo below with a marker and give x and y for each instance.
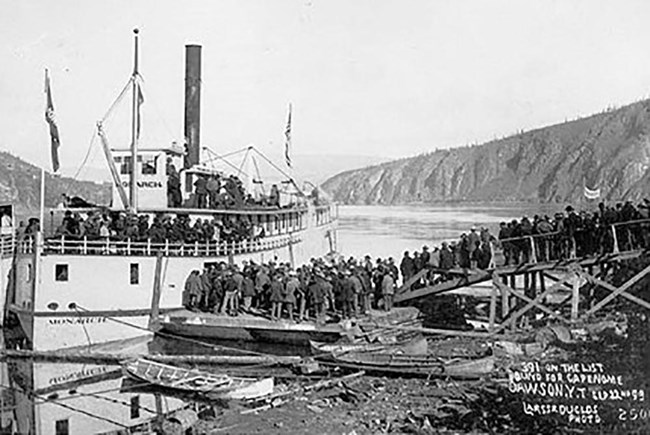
(149, 165)
(134, 273)
(61, 272)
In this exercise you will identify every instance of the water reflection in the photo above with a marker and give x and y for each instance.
(58, 399)
(70, 398)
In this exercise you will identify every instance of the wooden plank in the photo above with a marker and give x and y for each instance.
(412, 280)
(446, 332)
(611, 288)
(451, 284)
(575, 299)
(536, 304)
(493, 308)
(526, 308)
(98, 358)
(636, 278)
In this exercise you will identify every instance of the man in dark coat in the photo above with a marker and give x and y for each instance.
(407, 267)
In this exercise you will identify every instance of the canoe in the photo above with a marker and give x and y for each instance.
(214, 386)
(416, 346)
(177, 378)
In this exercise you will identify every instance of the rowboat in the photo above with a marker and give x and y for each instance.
(415, 346)
(213, 386)
(411, 365)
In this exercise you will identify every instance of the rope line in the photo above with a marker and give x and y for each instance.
(181, 338)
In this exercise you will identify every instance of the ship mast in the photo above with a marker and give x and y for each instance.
(135, 121)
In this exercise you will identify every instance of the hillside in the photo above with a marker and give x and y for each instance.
(610, 150)
(20, 185)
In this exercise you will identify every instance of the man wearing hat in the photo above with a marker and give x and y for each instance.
(292, 287)
(388, 290)
(277, 296)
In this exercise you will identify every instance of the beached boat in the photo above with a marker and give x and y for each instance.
(249, 327)
(410, 365)
(214, 386)
(75, 291)
(415, 346)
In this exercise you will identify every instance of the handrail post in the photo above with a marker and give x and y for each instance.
(167, 246)
(616, 250)
(148, 246)
(533, 252)
(128, 246)
(196, 248)
(108, 245)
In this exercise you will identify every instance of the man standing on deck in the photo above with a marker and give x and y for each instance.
(248, 288)
(213, 186)
(317, 297)
(193, 291)
(239, 280)
(230, 293)
(292, 288)
(200, 191)
(277, 297)
(206, 286)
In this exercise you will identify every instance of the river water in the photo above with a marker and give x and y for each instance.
(388, 231)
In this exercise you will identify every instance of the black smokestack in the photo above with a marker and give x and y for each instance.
(192, 104)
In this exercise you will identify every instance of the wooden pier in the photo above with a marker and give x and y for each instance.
(521, 290)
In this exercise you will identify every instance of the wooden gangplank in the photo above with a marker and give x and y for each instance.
(459, 278)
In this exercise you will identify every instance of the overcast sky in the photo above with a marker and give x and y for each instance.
(376, 77)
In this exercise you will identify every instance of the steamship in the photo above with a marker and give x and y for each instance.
(72, 294)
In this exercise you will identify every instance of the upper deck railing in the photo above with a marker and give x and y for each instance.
(128, 247)
(7, 245)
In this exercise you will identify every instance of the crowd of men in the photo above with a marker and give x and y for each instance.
(119, 225)
(216, 191)
(543, 238)
(347, 288)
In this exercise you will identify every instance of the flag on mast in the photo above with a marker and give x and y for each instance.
(591, 193)
(51, 120)
(287, 142)
(139, 115)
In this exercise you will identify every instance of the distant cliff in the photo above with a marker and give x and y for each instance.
(20, 185)
(610, 150)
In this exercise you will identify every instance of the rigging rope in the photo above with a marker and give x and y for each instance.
(42, 400)
(218, 157)
(177, 337)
